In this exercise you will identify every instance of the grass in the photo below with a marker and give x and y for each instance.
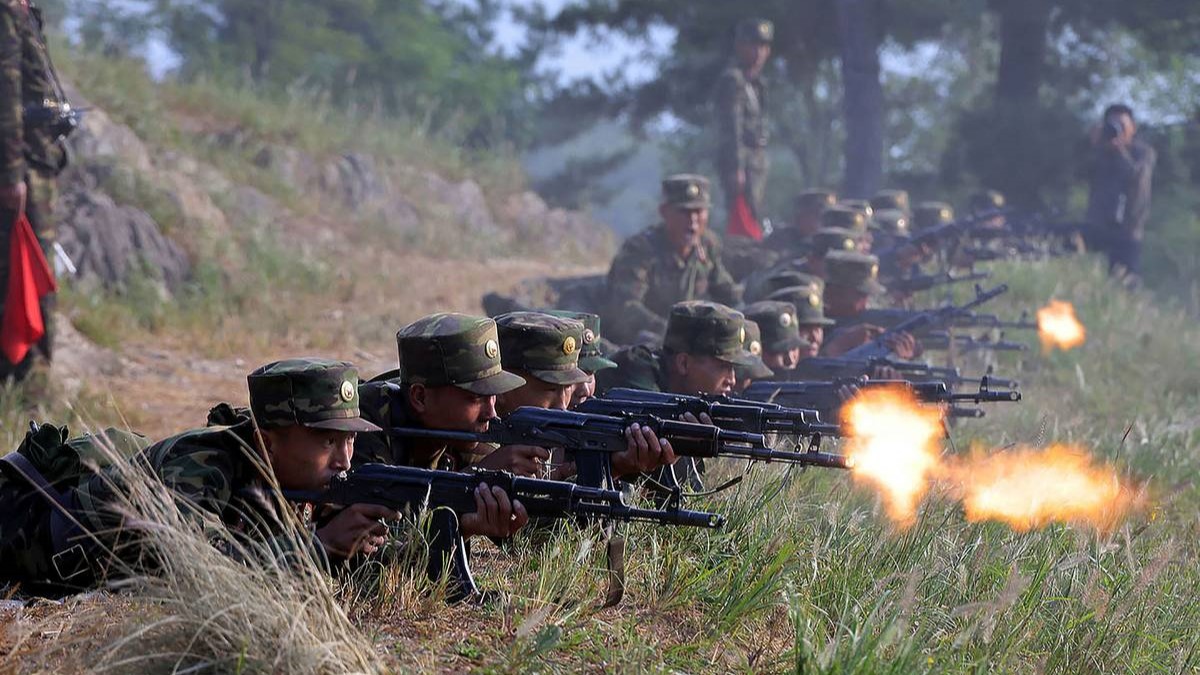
(810, 577)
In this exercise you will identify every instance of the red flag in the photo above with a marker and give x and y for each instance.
(742, 222)
(29, 279)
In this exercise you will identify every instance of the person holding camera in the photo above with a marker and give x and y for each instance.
(1119, 190)
(33, 111)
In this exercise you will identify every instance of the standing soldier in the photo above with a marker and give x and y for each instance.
(34, 119)
(741, 120)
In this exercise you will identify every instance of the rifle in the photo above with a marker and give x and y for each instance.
(450, 494)
(973, 320)
(888, 317)
(824, 395)
(737, 414)
(924, 282)
(826, 368)
(952, 230)
(634, 411)
(923, 321)
(943, 341)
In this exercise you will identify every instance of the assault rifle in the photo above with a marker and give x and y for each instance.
(944, 341)
(826, 396)
(826, 368)
(888, 317)
(449, 495)
(933, 237)
(922, 322)
(733, 413)
(914, 283)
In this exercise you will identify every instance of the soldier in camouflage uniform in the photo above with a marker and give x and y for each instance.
(702, 347)
(853, 280)
(591, 355)
(742, 117)
(298, 435)
(782, 347)
(665, 264)
(31, 155)
(896, 200)
(793, 241)
(810, 315)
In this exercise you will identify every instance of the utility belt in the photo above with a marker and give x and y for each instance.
(70, 542)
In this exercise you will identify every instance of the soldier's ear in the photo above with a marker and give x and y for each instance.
(682, 362)
(418, 397)
(664, 210)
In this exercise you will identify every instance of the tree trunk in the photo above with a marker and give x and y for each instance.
(860, 29)
(1016, 107)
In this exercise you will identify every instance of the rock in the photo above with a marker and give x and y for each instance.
(293, 167)
(109, 243)
(98, 137)
(465, 203)
(77, 359)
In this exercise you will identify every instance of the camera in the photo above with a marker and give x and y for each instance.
(60, 119)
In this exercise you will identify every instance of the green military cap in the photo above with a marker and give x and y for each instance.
(892, 221)
(547, 347)
(686, 190)
(779, 324)
(833, 239)
(591, 358)
(454, 349)
(754, 346)
(707, 329)
(809, 303)
(845, 218)
(890, 199)
(755, 30)
(932, 214)
(315, 393)
(986, 200)
(816, 198)
(784, 279)
(861, 205)
(855, 270)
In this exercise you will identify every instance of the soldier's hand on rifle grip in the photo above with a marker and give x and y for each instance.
(495, 515)
(522, 460)
(704, 418)
(645, 452)
(904, 345)
(358, 528)
(13, 197)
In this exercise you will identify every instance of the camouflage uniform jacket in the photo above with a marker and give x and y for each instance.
(387, 407)
(740, 106)
(24, 80)
(647, 277)
(217, 477)
(638, 367)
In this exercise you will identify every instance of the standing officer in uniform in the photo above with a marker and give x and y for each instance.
(34, 120)
(741, 116)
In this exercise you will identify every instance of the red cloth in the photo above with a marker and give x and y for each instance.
(29, 279)
(742, 222)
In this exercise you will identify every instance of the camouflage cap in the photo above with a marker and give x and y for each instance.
(833, 239)
(547, 347)
(315, 393)
(784, 279)
(892, 221)
(454, 349)
(932, 214)
(809, 303)
(591, 357)
(778, 323)
(853, 270)
(687, 191)
(890, 199)
(844, 217)
(986, 200)
(861, 205)
(754, 346)
(755, 30)
(707, 329)
(815, 198)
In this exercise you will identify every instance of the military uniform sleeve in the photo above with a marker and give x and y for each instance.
(12, 130)
(628, 283)
(1137, 199)
(730, 123)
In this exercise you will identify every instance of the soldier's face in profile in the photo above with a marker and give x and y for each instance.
(815, 336)
(583, 391)
(753, 56)
(844, 301)
(452, 409)
(685, 227)
(537, 394)
(778, 361)
(307, 459)
(703, 375)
